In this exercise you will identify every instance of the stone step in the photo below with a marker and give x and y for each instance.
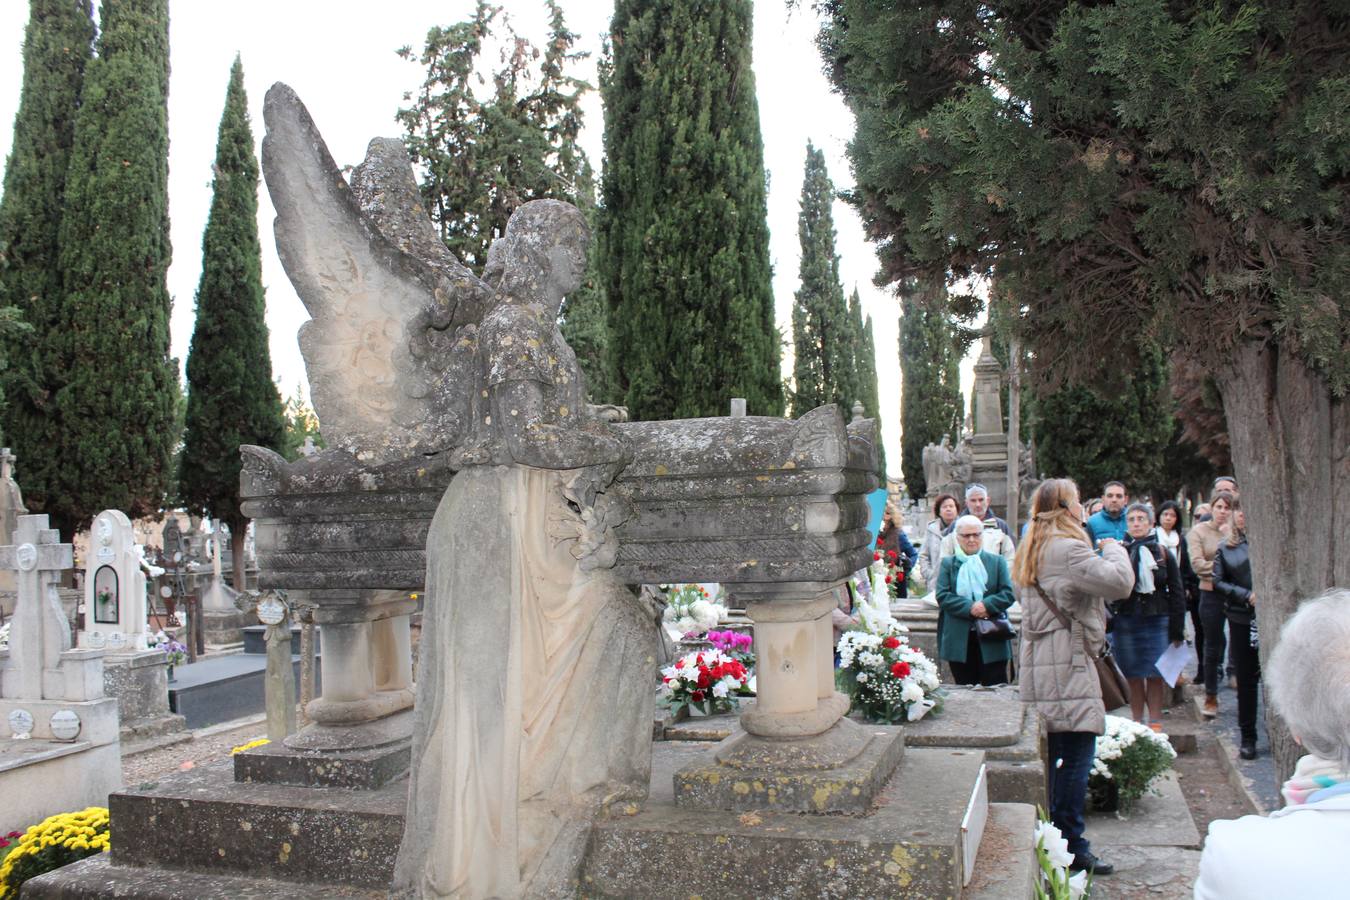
(203, 821)
(911, 844)
(1005, 868)
(96, 878)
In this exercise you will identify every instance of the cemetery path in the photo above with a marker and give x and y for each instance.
(207, 745)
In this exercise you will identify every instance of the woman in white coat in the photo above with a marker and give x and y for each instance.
(1297, 851)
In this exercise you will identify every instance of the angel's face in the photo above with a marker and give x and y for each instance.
(567, 259)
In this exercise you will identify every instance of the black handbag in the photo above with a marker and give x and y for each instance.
(995, 629)
(1115, 689)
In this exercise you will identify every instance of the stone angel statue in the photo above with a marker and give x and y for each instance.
(533, 701)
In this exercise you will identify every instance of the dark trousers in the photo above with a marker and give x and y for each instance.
(1248, 662)
(1193, 606)
(974, 670)
(1213, 619)
(1070, 764)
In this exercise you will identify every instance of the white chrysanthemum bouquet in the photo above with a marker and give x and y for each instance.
(1129, 757)
(690, 611)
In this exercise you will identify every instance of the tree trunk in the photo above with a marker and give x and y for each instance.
(237, 530)
(1291, 451)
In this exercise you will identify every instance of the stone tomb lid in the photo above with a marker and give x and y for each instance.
(971, 717)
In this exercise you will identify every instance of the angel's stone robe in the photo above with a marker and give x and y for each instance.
(534, 707)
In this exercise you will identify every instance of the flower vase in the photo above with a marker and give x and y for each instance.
(698, 710)
(1104, 795)
(171, 678)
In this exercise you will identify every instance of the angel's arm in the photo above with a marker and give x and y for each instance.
(540, 437)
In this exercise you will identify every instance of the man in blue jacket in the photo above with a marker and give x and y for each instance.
(1109, 521)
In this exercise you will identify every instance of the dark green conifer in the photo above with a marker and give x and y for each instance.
(930, 376)
(115, 410)
(56, 48)
(683, 230)
(864, 384)
(823, 335)
(231, 397)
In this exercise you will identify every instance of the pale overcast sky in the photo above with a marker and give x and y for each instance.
(339, 57)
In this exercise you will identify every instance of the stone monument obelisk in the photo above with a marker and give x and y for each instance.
(988, 443)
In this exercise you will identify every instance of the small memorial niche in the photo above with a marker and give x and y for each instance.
(107, 601)
(114, 586)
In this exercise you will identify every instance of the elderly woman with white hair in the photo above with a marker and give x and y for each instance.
(974, 591)
(1297, 851)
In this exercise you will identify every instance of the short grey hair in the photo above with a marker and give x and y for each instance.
(1140, 507)
(974, 490)
(967, 520)
(1308, 672)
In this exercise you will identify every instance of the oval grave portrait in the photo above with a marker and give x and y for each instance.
(107, 601)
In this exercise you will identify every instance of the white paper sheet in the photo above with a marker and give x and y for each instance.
(1174, 661)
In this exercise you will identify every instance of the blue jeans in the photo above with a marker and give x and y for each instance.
(1071, 754)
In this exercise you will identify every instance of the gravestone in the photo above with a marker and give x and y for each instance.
(222, 621)
(114, 586)
(115, 620)
(44, 768)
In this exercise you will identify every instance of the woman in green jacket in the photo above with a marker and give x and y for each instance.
(973, 584)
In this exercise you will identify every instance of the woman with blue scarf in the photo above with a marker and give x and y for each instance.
(973, 584)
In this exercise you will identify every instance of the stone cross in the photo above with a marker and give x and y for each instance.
(39, 633)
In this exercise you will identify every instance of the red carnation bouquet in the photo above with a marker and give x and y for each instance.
(708, 681)
(887, 563)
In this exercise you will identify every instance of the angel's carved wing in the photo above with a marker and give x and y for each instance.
(389, 347)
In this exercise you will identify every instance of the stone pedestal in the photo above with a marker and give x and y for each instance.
(919, 839)
(140, 684)
(224, 628)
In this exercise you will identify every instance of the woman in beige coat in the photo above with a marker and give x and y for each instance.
(1057, 676)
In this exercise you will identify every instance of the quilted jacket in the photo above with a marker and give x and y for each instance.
(1057, 678)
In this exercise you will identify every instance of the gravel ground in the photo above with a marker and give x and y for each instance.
(206, 746)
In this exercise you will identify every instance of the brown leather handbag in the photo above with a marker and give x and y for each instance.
(1115, 689)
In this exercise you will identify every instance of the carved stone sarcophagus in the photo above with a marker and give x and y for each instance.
(749, 499)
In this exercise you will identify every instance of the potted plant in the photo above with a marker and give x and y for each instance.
(1129, 757)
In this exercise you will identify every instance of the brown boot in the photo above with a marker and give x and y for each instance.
(1211, 707)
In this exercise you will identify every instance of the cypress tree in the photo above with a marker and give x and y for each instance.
(57, 46)
(864, 384)
(115, 410)
(930, 400)
(823, 336)
(683, 230)
(231, 397)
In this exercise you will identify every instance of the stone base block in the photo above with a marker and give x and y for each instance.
(911, 844)
(840, 771)
(1006, 868)
(361, 769)
(202, 821)
(96, 878)
(140, 682)
(994, 720)
(42, 778)
(98, 718)
(225, 627)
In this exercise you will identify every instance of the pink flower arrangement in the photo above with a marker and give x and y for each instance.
(731, 641)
